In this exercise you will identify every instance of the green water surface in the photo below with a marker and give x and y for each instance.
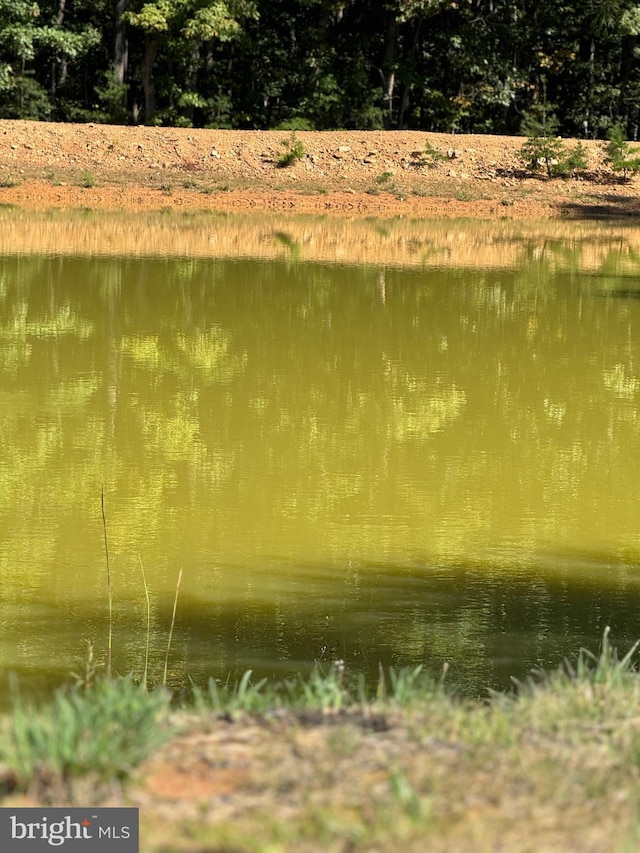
(377, 465)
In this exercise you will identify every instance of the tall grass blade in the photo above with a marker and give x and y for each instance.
(109, 586)
(146, 651)
(173, 619)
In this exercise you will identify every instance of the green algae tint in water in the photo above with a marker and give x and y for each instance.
(395, 466)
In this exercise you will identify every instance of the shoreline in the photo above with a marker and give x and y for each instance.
(316, 765)
(341, 173)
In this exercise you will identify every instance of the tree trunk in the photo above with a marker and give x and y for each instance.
(592, 66)
(121, 48)
(146, 72)
(409, 62)
(387, 72)
(58, 80)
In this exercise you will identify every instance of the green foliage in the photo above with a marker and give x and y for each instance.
(619, 154)
(576, 160)
(421, 64)
(325, 690)
(25, 99)
(112, 97)
(297, 123)
(431, 156)
(605, 671)
(219, 20)
(294, 150)
(103, 732)
(544, 149)
(152, 17)
(64, 43)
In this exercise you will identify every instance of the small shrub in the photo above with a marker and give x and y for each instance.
(294, 150)
(545, 150)
(87, 180)
(430, 157)
(576, 160)
(620, 155)
(384, 177)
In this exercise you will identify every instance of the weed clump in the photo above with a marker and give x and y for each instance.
(100, 733)
(294, 150)
(87, 180)
(429, 156)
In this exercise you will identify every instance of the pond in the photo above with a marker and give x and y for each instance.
(428, 455)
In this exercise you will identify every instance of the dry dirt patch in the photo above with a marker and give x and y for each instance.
(374, 173)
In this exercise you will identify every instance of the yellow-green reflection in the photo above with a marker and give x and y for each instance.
(358, 462)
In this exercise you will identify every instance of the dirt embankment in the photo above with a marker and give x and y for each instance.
(342, 172)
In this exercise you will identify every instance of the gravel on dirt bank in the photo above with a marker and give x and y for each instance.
(396, 173)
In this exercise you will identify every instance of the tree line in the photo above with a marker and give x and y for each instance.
(468, 66)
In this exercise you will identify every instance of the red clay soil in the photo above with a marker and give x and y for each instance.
(343, 172)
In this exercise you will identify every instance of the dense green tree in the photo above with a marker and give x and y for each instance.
(450, 65)
(185, 27)
(31, 39)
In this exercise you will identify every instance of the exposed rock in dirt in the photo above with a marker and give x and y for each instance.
(375, 173)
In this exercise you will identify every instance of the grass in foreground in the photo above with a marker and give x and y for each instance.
(98, 733)
(319, 764)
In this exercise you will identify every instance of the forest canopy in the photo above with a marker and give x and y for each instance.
(469, 66)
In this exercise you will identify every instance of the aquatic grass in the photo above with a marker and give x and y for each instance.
(101, 732)
(109, 584)
(108, 666)
(404, 761)
(593, 690)
(173, 619)
(592, 677)
(89, 670)
(321, 691)
(404, 687)
(326, 690)
(243, 697)
(148, 632)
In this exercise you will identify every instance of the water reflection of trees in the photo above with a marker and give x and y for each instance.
(238, 411)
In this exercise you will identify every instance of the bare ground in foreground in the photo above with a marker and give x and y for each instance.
(343, 172)
(436, 778)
